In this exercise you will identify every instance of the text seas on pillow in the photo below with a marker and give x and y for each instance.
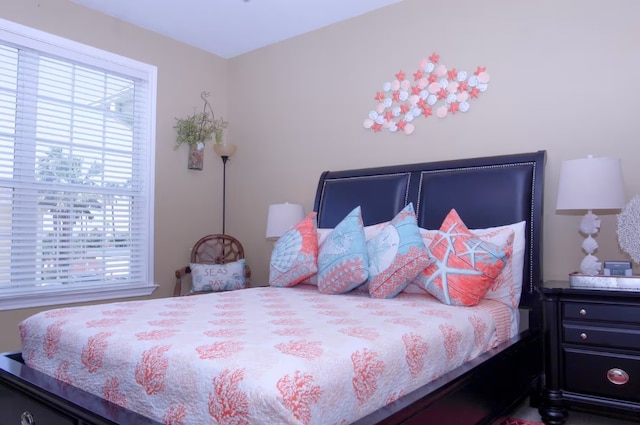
(218, 277)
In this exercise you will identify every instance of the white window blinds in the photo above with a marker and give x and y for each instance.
(76, 171)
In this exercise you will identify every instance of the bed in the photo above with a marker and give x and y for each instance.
(484, 386)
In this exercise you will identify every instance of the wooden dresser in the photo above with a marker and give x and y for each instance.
(591, 352)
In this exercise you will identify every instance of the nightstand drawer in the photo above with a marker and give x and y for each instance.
(18, 408)
(619, 337)
(602, 374)
(601, 312)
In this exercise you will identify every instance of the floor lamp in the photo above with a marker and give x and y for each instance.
(224, 151)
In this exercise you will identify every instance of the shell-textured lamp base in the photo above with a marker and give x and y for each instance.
(590, 225)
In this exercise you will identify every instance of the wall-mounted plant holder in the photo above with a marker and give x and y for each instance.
(196, 156)
(195, 130)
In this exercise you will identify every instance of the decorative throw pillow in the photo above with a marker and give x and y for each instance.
(295, 254)
(507, 287)
(465, 266)
(218, 277)
(396, 255)
(342, 257)
(369, 232)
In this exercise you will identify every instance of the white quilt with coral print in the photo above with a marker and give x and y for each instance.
(260, 355)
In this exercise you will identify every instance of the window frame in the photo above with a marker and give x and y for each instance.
(17, 298)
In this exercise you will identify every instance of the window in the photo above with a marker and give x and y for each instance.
(76, 171)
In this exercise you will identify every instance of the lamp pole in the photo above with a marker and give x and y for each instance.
(224, 151)
(224, 190)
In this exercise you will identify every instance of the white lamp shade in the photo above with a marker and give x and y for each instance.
(282, 217)
(590, 184)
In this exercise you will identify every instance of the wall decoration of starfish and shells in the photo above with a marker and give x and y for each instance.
(435, 90)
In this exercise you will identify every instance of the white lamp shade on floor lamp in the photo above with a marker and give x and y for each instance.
(590, 184)
(282, 217)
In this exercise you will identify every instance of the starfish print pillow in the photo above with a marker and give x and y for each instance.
(465, 266)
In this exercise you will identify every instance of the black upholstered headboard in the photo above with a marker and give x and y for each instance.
(486, 192)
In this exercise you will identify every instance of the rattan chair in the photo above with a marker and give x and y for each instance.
(212, 249)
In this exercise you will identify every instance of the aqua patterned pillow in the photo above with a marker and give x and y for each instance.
(295, 254)
(218, 277)
(396, 255)
(342, 256)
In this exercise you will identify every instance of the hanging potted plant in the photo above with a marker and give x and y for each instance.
(195, 130)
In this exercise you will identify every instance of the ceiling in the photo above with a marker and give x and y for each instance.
(229, 28)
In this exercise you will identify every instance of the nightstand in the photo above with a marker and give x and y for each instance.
(591, 352)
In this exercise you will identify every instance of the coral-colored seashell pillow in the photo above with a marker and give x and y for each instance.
(465, 266)
(295, 255)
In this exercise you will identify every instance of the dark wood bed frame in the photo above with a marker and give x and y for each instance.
(487, 192)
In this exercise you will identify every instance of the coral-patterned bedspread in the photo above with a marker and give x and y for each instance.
(260, 355)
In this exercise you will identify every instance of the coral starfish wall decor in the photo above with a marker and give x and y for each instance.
(434, 88)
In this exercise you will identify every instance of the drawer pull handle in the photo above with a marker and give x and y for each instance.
(583, 312)
(583, 336)
(27, 419)
(617, 376)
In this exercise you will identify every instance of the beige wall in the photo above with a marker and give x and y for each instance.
(563, 79)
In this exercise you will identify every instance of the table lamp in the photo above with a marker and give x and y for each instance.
(282, 217)
(590, 184)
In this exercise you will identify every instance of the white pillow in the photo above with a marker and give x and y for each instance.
(508, 285)
(369, 231)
